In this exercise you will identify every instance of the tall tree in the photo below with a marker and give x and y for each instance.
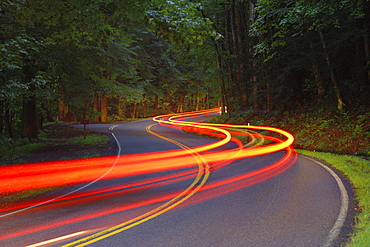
(278, 22)
(62, 28)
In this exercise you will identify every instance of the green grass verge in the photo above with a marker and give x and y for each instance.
(357, 170)
(334, 132)
(15, 150)
(90, 140)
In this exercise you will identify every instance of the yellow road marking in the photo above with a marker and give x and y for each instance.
(203, 171)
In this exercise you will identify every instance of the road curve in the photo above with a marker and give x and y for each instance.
(303, 204)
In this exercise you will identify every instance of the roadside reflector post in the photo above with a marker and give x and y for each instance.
(84, 122)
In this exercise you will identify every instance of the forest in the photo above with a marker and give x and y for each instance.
(108, 60)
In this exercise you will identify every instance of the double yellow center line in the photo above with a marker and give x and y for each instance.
(199, 181)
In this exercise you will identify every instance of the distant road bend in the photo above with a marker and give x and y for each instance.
(245, 186)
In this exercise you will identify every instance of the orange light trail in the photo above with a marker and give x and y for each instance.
(16, 178)
(181, 162)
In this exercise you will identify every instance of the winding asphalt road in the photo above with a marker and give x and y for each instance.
(305, 205)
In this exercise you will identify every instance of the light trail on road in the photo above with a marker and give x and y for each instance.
(17, 178)
(184, 164)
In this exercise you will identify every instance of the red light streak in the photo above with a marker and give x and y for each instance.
(23, 177)
(18, 178)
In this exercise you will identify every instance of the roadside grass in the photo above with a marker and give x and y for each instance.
(90, 140)
(50, 140)
(320, 130)
(13, 151)
(357, 170)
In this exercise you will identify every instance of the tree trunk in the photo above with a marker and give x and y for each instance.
(9, 123)
(268, 98)
(168, 97)
(180, 105)
(229, 51)
(366, 27)
(241, 11)
(317, 74)
(49, 115)
(224, 97)
(84, 113)
(340, 103)
(29, 117)
(206, 102)
(255, 93)
(104, 108)
(60, 109)
(367, 53)
(156, 103)
(66, 110)
(197, 99)
(362, 61)
(96, 105)
(133, 110)
(236, 51)
(121, 108)
(254, 77)
(29, 112)
(2, 113)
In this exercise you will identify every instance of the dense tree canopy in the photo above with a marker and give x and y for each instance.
(315, 31)
(106, 59)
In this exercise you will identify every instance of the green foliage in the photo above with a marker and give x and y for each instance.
(180, 21)
(75, 49)
(177, 55)
(72, 49)
(288, 18)
(21, 147)
(16, 147)
(90, 139)
(304, 48)
(341, 132)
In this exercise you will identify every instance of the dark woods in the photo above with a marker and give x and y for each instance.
(75, 60)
